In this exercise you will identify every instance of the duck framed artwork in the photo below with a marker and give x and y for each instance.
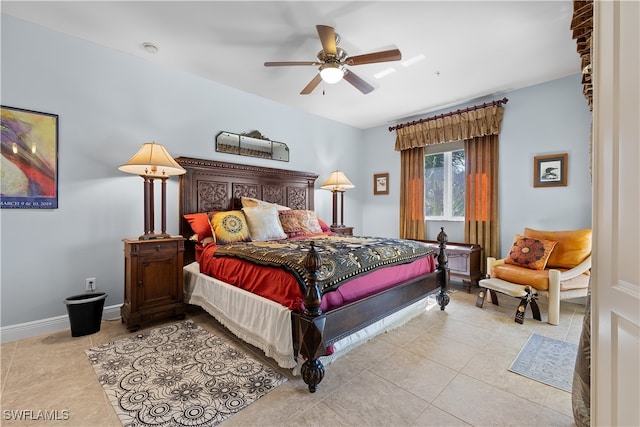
(550, 170)
(29, 163)
(380, 183)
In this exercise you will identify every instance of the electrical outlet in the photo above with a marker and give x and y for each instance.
(90, 284)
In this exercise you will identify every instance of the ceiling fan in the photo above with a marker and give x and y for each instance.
(333, 61)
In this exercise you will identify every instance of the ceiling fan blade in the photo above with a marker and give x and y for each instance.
(357, 82)
(328, 39)
(370, 58)
(312, 85)
(287, 63)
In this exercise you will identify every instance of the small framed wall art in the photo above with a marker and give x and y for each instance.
(29, 159)
(380, 183)
(550, 170)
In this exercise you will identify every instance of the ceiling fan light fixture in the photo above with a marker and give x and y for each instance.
(331, 72)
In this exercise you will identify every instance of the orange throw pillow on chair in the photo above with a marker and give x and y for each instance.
(530, 253)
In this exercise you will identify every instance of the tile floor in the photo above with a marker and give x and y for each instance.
(443, 368)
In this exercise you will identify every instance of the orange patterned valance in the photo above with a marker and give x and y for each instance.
(455, 126)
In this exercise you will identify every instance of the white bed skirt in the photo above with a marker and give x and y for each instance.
(267, 325)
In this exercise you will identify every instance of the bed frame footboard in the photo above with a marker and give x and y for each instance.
(314, 330)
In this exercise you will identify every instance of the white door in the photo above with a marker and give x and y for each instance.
(615, 375)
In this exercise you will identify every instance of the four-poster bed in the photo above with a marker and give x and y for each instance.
(307, 330)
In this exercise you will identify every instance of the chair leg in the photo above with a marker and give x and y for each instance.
(494, 297)
(520, 311)
(482, 295)
(535, 309)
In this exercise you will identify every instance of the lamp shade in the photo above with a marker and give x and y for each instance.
(152, 160)
(337, 181)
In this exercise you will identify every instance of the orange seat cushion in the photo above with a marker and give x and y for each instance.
(573, 246)
(538, 279)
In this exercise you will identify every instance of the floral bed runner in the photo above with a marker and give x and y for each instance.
(343, 257)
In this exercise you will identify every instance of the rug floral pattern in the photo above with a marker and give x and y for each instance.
(179, 375)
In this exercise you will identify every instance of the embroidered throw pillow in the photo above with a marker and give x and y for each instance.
(308, 221)
(229, 227)
(290, 223)
(264, 223)
(530, 253)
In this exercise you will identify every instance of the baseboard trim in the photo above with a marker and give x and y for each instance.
(45, 326)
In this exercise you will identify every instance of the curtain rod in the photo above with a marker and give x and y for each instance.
(496, 103)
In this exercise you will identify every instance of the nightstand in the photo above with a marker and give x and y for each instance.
(346, 231)
(153, 280)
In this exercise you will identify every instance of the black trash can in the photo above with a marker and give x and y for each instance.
(85, 313)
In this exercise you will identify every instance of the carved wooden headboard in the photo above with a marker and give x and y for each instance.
(210, 185)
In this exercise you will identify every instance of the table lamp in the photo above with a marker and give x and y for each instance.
(152, 162)
(337, 182)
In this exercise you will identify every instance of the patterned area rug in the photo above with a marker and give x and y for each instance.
(179, 375)
(547, 360)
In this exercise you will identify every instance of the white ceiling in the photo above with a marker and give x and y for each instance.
(471, 49)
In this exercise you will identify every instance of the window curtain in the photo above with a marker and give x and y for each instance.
(473, 125)
(481, 194)
(412, 194)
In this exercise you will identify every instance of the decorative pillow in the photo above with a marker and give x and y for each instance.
(200, 225)
(323, 225)
(249, 202)
(530, 253)
(308, 221)
(290, 223)
(264, 223)
(229, 227)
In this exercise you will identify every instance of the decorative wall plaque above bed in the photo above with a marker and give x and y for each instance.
(252, 144)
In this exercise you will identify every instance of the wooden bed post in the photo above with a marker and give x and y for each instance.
(312, 323)
(443, 270)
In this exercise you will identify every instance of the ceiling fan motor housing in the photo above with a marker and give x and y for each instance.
(341, 55)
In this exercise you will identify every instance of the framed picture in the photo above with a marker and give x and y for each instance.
(550, 170)
(380, 183)
(29, 168)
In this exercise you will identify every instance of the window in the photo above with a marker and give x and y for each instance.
(444, 178)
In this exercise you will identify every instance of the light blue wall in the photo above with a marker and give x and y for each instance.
(548, 118)
(109, 103)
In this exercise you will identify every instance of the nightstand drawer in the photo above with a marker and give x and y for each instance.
(145, 247)
(345, 231)
(159, 246)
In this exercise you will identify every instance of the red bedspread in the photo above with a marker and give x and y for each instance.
(280, 286)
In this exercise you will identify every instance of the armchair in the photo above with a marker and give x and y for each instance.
(551, 264)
